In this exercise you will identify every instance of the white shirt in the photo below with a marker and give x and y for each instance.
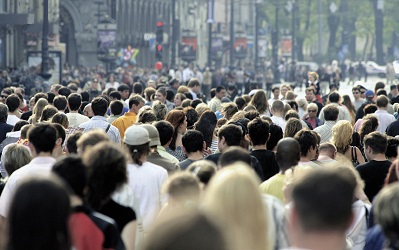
(384, 119)
(39, 166)
(12, 119)
(325, 131)
(279, 121)
(75, 119)
(100, 122)
(187, 74)
(146, 182)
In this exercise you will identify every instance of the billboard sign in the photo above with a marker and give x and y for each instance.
(188, 48)
(55, 64)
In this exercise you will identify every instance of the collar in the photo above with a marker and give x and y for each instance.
(42, 160)
(98, 118)
(130, 114)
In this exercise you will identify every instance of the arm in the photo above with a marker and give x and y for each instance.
(129, 235)
(360, 156)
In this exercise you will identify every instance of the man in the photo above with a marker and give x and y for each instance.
(278, 114)
(129, 118)
(193, 147)
(308, 143)
(375, 170)
(333, 88)
(4, 126)
(258, 134)
(165, 130)
(188, 73)
(116, 109)
(174, 85)
(358, 100)
(394, 92)
(276, 95)
(124, 90)
(215, 104)
(42, 138)
(154, 156)
(160, 95)
(231, 135)
(287, 156)
(74, 104)
(384, 118)
(316, 222)
(194, 87)
(330, 115)
(13, 103)
(94, 89)
(327, 153)
(99, 106)
(311, 98)
(369, 95)
(58, 150)
(60, 102)
(334, 99)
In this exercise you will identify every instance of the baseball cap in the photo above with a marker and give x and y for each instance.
(369, 93)
(136, 135)
(153, 134)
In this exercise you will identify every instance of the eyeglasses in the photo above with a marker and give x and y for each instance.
(355, 93)
(312, 111)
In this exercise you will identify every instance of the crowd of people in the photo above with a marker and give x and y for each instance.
(187, 160)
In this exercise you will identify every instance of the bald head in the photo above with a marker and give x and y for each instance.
(288, 153)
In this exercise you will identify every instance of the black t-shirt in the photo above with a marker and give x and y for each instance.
(373, 173)
(268, 162)
(121, 214)
(393, 129)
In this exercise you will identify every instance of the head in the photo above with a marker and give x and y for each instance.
(204, 170)
(90, 139)
(334, 97)
(229, 109)
(160, 110)
(375, 143)
(194, 85)
(331, 112)
(99, 105)
(60, 102)
(369, 94)
(370, 109)
(293, 126)
(276, 134)
(307, 142)
(183, 188)
(328, 149)
(15, 157)
(259, 101)
(229, 135)
(276, 92)
(149, 93)
(313, 76)
(13, 102)
(88, 111)
(310, 94)
(116, 107)
(42, 138)
(135, 103)
(160, 95)
(3, 112)
(124, 90)
(74, 102)
(284, 89)
(382, 102)
(369, 124)
(233, 155)
(48, 112)
(166, 131)
(179, 98)
(71, 146)
(312, 110)
(287, 153)
(206, 124)
(220, 92)
(342, 135)
(62, 119)
(258, 131)
(356, 92)
(137, 141)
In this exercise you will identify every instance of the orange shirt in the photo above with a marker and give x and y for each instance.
(125, 121)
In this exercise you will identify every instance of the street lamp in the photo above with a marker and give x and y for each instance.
(211, 7)
(275, 39)
(257, 5)
(45, 56)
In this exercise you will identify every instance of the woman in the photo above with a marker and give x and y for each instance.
(111, 83)
(259, 101)
(206, 124)
(179, 122)
(179, 98)
(369, 124)
(48, 112)
(292, 127)
(314, 82)
(106, 173)
(61, 119)
(342, 138)
(368, 109)
(302, 106)
(311, 118)
(47, 216)
(242, 229)
(160, 110)
(348, 103)
(229, 110)
(37, 110)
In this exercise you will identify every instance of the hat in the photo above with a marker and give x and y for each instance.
(136, 135)
(369, 93)
(153, 133)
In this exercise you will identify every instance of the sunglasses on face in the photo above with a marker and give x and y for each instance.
(355, 93)
(312, 111)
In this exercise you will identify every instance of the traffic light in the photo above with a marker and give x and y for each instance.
(159, 40)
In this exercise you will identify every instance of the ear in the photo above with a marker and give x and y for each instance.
(248, 137)
(268, 138)
(203, 146)
(184, 150)
(58, 142)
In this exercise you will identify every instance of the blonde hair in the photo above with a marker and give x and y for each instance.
(201, 108)
(312, 106)
(289, 95)
(234, 202)
(342, 136)
(37, 110)
(240, 114)
(302, 103)
(292, 127)
(182, 89)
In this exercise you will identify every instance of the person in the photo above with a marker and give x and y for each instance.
(124, 90)
(4, 126)
(206, 124)
(276, 95)
(384, 118)
(129, 118)
(107, 173)
(160, 110)
(154, 157)
(358, 100)
(330, 115)
(369, 95)
(259, 101)
(99, 106)
(375, 170)
(278, 114)
(13, 103)
(37, 110)
(368, 109)
(89, 139)
(342, 138)
(293, 126)
(194, 87)
(116, 109)
(144, 178)
(74, 104)
(327, 153)
(179, 98)
(311, 98)
(311, 118)
(71, 146)
(243, 230)
(160, 95)
(88, 228)
(166, 132)
(48, 215)
(346, 101)
(178, 120)
(42, 140)
(287, 156)
(308, 142)
(193, 146)
(215, 104)
(316, 222)
(334, 99)
(258, 134)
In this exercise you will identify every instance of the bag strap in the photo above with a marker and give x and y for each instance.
(106, 130)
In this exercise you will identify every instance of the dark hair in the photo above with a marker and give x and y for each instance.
(369, 124)
(276, 133)
(3, 112)
(137, 88)
(382, 92)
(48, 216)
(192, 116)
(252, 114)
(165, 130)
(194, 103)
(176, 118)
(48, 112)
(116, 95)
(72, 170)
(377, 141)
(123, 87)
(116, 107)
(64, 91)
(74, 101)
(231, 133)
(212, 92)
(19, 125)
(206, 124)
(203, 169)
(291, 114)
(60, 102)
(50, 97)
(193, 141)
(147, 116)
(306, 140)
(43, 137)
(60, 131)
(71, 143)
(136, 100)
(370, 109)
(99, 105)
(392, 148)
(234, 154)
(219, 88)
(312, 200)
(85, 96)
(294, 105)
(170, 95)
(379, 85)
(240, 102)
(193, 82)
(106, 172)
(136, 151)
(258, 130)
(60, 118)
(331, 112)
(37, 96)
(382, 101)
(334, 97)
(12, 102)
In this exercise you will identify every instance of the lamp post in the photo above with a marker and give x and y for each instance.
(45, 56)
(174, 35)
(293, 49)
(211, 5)
(257, 3)
(275, 38)
(232, 57)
